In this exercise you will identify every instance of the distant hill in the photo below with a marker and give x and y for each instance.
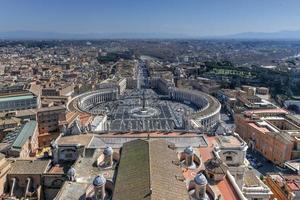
(285, 35)
(35, 35)
(56, 35)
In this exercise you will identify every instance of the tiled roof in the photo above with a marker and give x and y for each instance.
(224, 186)
(52, 108)
(21, 113)
(29, 166)
(133, 179)
(163, 173)
(265, 111)
(226, 189)
(251, 180)
(7, 121)
(293, 186)
(75, 139)
(146, 171)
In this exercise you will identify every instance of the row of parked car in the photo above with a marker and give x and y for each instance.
(254, 162)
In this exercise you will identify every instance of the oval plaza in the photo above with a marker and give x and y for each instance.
(157, 105)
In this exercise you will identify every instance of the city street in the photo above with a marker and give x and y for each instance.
(262, 166)
(227, 119)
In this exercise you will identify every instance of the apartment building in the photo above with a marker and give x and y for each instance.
(271, 132)
(50, 121)
(18, 101)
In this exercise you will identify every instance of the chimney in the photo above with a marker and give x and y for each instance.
(99, 187)
(200, 187)
(189, 156)
(71, 174)
(108, 156)
(54, 151)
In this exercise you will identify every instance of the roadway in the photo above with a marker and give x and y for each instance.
(261, 166)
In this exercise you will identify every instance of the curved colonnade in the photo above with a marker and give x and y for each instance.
(208, 107)
(88, 100)
(208, 110)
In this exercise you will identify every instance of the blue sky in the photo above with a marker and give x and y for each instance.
(191, 17)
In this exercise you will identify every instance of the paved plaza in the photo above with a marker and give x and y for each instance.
(126, 113)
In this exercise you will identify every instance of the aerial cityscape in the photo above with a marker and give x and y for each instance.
(149, 100)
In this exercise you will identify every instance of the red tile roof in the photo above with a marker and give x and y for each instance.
(227, 190)
(224, 186)
(264, 111)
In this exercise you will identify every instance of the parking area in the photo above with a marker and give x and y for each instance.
(262, 166)
(227, 119)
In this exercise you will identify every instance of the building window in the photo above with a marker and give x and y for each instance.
(69, 155)
(228, 158)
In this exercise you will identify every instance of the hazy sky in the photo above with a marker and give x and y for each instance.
(192, 17)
